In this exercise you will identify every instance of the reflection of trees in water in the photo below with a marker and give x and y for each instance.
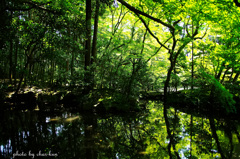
(30, 131)
(192, 137)
(130, 136)
(89, 137)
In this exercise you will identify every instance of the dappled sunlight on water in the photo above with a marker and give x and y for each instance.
(135, 135)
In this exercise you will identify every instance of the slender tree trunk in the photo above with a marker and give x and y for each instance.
(230, 78)
(72, 63)
(28, 61)
(43, 74)
(52, 71)
(224, 75)
(191, 123)
(15, 62)
(220, 71)
(21, 78)
(30, 72)
(88, 28)
(73, 56)
(69, 50)
(236, 77)
(94, 44)
(192, 65)
(87, 75)
(67, 65)
(10, 61)
(10, 55)
(25, 78)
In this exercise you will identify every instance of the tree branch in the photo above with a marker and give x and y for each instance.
(151, 32)
(136, 11)
(117, 47)
(202, 36)
(157, 51)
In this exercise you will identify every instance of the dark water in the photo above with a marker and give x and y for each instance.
(125, 136)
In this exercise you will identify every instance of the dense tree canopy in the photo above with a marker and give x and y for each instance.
(133, 45)
(127, 46)
(123, 45)
(107, 54)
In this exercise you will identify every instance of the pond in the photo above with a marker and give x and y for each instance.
(35, 134)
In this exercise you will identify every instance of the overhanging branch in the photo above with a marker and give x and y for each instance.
(151, 32)
(136, 11)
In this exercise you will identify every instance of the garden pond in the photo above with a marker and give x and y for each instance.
(65, 134)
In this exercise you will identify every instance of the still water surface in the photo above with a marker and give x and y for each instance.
(122, 136)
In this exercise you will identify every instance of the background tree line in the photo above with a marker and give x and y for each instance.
(125, 46)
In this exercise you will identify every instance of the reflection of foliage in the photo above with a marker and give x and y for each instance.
(201, 146)
(142, 135)
(125, 139)
(156, 129)
(201, 133)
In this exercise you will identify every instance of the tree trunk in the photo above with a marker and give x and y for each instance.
(87, 75)
(67, 65)
(220, 71)
(28, 61)
(88, 28)
(10, 54)
(94, 44)
(15, 62)
(224, 75)
(192, 61)
(73, 56)
(52, 72)
(236, 77)
(10, 61)
(167, 83)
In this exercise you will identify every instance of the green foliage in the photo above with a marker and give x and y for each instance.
(43, 41)
(219, 93)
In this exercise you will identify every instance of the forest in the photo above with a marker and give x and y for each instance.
(162, 75)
